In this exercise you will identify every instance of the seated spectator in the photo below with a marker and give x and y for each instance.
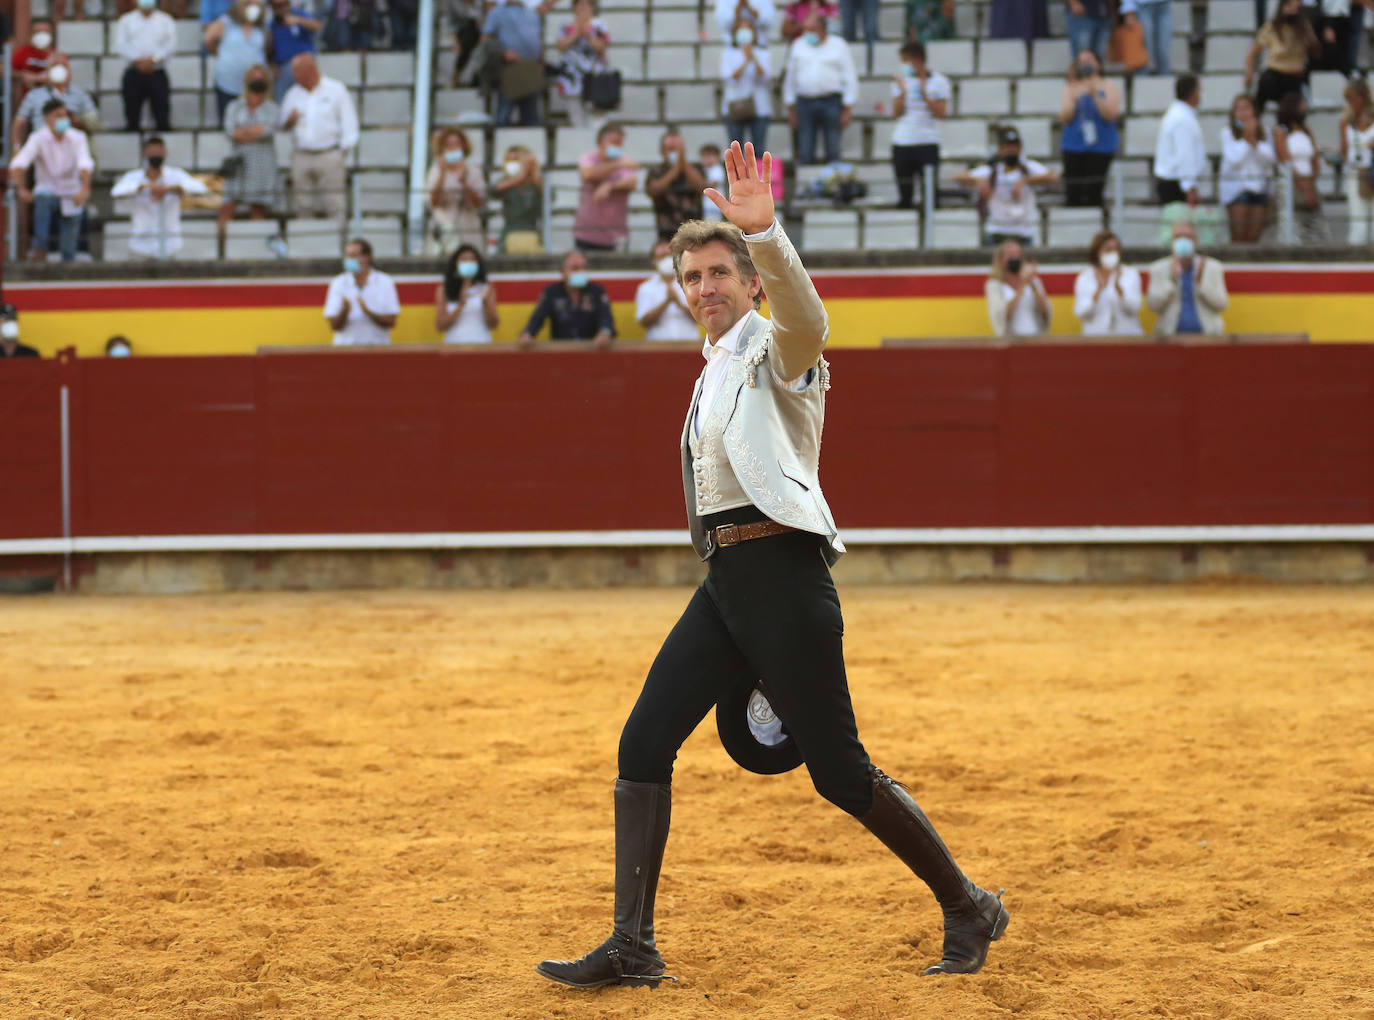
(1089, 111)
(521, 190)
(760, 13)
(61, 159)
(465, 17)
(517, 32)
(1294, 146)
(1107, 295)
(583, 43)
(713, 169)
(660, 304)
(118, 346)
(157, 191)
(920, 100)
(362, 305)
(251, 124)
(465, 309)
(57, 84)
(608, 177)
(576, 308)
(1156, 19)
(293, 31)
(319, 113)
(849, 12)
(746, 100)
(1018, 19)
(1017, 302)
(795, 15)
(146, 38)
(928, 20)
(819, 89)
(1180, 153)
(1006, 188)
(1357, 156)
(30, 61)
(10, 347)
(1089, 26)
(237, 42)
(1288, 43)
(1187, 291)
(675, 185)
(1247, 172)
(350, 25)
(455, 192)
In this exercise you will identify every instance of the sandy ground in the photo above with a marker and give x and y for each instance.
(394, 804)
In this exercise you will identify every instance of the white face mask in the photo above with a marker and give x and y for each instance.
(9, 329)
(665, 265)
(251, 13)
(58, 74)
(42, 40)
(513, 167)
(1110, 259)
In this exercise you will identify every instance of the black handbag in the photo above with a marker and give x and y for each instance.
(601, 89)
(231, 166)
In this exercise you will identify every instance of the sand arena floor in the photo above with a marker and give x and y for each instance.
(394, 804)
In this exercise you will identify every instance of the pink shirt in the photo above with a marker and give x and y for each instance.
(602, 222)
(57, 162)
(798, 11)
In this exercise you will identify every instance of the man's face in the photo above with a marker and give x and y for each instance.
(355, 251)
(1185, 229)
(155, 155)
(814, 23)
(43, 27)
(1010, 153)
(612, 138)
(716, 294)
(305, 71)
(661, 250)
(575, 262)
(670, 146)
(53, 116)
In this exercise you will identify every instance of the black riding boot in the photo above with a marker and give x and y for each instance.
(629, 956)
(974, 917)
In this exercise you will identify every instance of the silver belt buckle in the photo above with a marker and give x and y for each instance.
(727, 535)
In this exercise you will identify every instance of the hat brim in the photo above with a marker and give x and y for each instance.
(732, 723)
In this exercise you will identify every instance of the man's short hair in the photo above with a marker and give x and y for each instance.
(53, 104)
(916, 49)
(695, 234)
(607, 128)
(154, 140)
(1186, 85)
(362, 243)
(710, 147)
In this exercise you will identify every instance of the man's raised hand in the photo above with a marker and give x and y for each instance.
(750, 205)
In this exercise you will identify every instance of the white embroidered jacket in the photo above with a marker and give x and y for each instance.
(771, 434)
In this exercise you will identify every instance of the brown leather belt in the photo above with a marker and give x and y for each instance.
(733, 534)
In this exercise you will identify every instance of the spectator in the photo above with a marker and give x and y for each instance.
(746, 100)
(518, 33)
(675, 185)
(30, 61)
(1018, 19)
(361, 306)
(1090, 26)
(796, 14)
(465, 310)
(1294, 146)
(57, 85)
(819, 89)
(1180, 152)
(146, 38)
(455, 192)
(929, 20)
(251, 124)
(920, 100)
(713, 169)
(1017, 303)
(238, 42)
(1006, 188)
(849, 15)
(405, 16)
(608, 177)
(521, 191)
(465, 16)
(1107, 295)
(350, 24)
(1157, 19)
(293, 32)
(1336, 31)
(1088, 111)
(760, 13)
(1357, 31)
(1247, 168)
(1357, 155)
(576, 308)
(583, 44)
(62, 164)
(211, 11)
(118, 346)
(1187, 291)
(660, 304)
(156, 190)
(10, 347)
(319, 112)
(1288, 43)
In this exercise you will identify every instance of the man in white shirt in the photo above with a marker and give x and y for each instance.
(62, 166)
(1006, 186)
(1180, 152)
(819, 89)
(362, 305)
(156, 190)
(920, 100)
(324, 124)
(146, 37)
(661, 305)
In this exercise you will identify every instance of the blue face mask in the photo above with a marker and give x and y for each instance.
(578, 280)
(454, 156)
(61, 124)
(812, 38)
(352, 265)
(467, 270)
(119, 351)
(1184, 247)
(614, 152)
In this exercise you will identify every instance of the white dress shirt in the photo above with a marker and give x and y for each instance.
(674, 323)
(820, 71)
(1180, 152)
(140, 36)
(153, 217)
(379, 293)
(327, 117)
(1112, 314)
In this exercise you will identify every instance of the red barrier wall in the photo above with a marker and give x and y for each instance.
(572, 440)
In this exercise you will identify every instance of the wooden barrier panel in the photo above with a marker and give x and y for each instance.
(31, 453)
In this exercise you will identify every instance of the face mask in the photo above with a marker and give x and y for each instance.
(812, 38)
(9, 329)
(454, 156)
(1086, 70)
(146, 5)
(119, 351)
(1013, 266)
(744, 36)
(352, 265)
(1184, 247)
(257, 85)
(251, 13)
(155, 162)
(1110, 259)
(61, 124)
(578, 280)
(1012, 160)
(513, 167)
(42, 40)
(613, 152)
(58, 74)
(665, 265)
(467, 270)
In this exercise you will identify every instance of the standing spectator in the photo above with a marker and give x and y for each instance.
(1357, 155)
(713, 169)
(156, 190)
(521, 191)
(211, 11)
(118, 346)
(350, 25)
(1336, 21)
(30, 61)
(1088, 111)
(819, 89)
(1107, 295)
(608, 177)
(576, 308)
(62, 165)
(455, 192)
(1247, 168)
(405, 16)
(929, 20)
(1288, 43)
(1017, 302)
(518, 32)
(583, 44)
(293, 32)
(1006, 188)
(362, 305)
(237, 42)
(660, 304)
(10, 347)
(251, 124)
(465, 16)
(319, 112)
(1357, 31)
(920, 100)
(795, 16)
(850, 11)
(146, 38)
(1294, 146)
(57, 85)
(1019, 19)
(760, 13)
(675, 185)
(465, 309)
(1187, 291)
(746, 98)
(1090, 26)
(1180, 151)
(1157, 20)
